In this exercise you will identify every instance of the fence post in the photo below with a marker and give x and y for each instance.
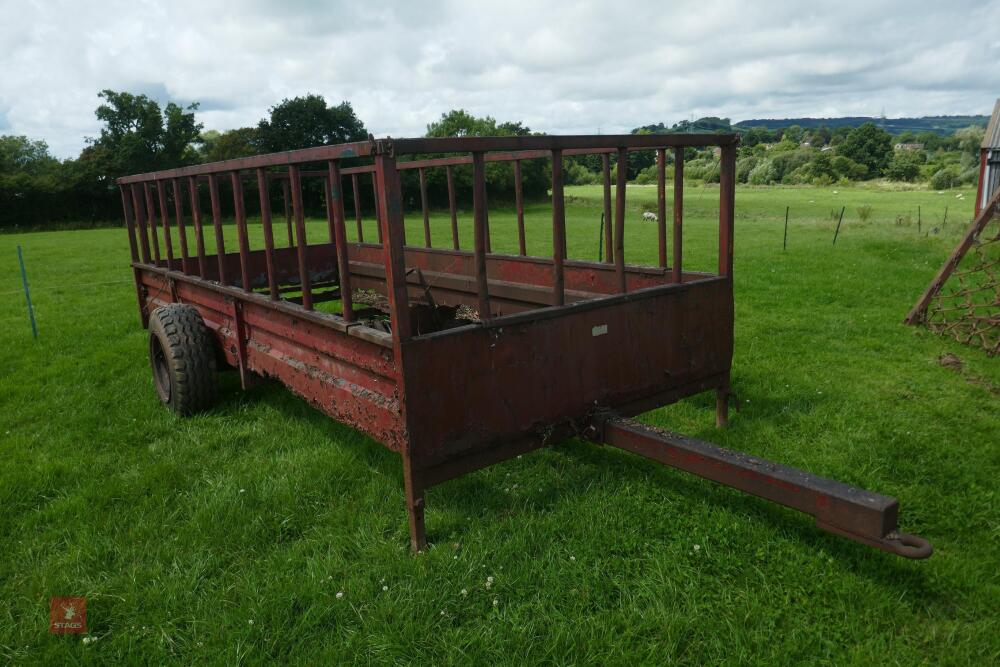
(27, 292)
(784, 241)
(836, 232)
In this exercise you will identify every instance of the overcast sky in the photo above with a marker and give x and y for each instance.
(577, 67)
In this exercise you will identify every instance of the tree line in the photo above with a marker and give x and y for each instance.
(139, 135)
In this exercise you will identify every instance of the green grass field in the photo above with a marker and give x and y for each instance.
(264, 531)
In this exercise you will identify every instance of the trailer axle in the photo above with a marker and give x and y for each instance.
(857, 514)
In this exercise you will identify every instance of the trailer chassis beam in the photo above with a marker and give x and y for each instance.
(841, 509)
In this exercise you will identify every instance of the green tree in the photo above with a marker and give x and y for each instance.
(970, 139)
(241, 142)
(868, 145)
(930, 140)
(303, 122)
(137, 136)
(18, 154)
(905, 166)
(460, 123)
(535, 174)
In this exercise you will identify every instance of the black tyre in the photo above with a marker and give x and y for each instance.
(182, 355)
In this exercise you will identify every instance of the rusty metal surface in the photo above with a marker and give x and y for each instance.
(607, 352)
(848, 511)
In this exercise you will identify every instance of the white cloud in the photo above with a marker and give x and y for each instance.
(559, 67)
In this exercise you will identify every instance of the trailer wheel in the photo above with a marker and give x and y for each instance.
(182, 356)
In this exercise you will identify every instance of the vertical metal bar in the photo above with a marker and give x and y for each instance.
(328, 200)
(27, 293)
(220, 244)
(199, 231)
(288, 210)
(558, 231)
(378, 206)
(727, 200)
(390, 211)
(151, 218)
(486, 217)
(295, 183)
(678, 270)
(423, 206)
(620, 219)
(609, 251)
(336, 197)
(129, 225)
(266, 224)
(165, 220)
(357, 208)
(661, 203)
(140, 219)
(452, 209)
(179, 217)
(481, 232)
(519, 202)
(239, 207)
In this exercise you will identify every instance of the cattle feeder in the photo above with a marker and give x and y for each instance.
(456, 357)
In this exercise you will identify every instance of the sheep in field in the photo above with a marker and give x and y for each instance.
(649, 216)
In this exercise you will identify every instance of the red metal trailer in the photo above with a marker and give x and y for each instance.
(459, 358)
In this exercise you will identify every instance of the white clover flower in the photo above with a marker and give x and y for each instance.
(385, 588)
(496, 601)
(697, 547)
(464, 592)
(340, 594)
(572, 558)
(250, 621)
(243, 490)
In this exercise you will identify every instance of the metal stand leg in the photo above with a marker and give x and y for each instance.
(414, 507)
(722, 407)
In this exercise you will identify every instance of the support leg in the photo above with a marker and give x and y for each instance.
(722, 407)
(414, 506)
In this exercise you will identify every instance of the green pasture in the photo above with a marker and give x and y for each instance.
(264, 531)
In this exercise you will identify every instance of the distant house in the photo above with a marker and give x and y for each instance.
(911, 146)
(989, 161)
(805, 144)
(825, 149)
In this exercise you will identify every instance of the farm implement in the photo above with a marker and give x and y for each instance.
(457, 357)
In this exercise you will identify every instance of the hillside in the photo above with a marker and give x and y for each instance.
(943, 125)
